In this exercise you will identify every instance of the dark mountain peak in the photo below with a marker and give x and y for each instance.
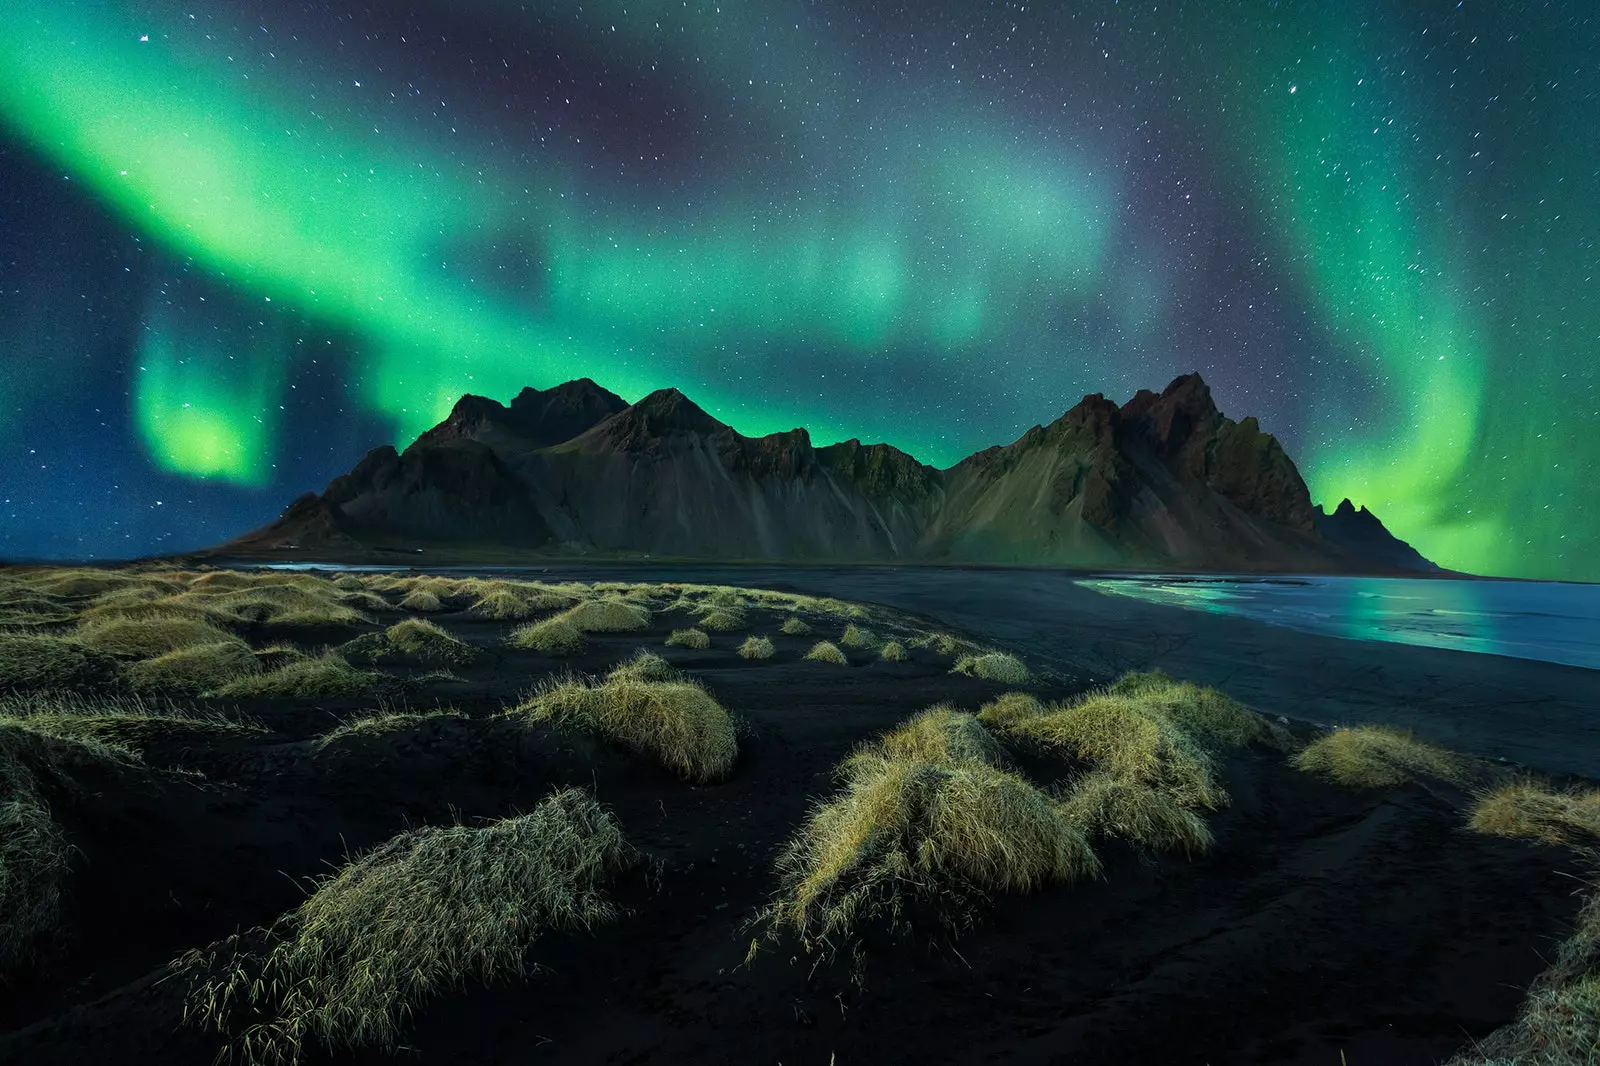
(557, 414)
(1364, 536)
(658, 417)
(467, 419)
(1168, 421)
(577, 393)
(880, 470)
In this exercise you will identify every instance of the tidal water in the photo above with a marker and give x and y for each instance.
(1548, 621)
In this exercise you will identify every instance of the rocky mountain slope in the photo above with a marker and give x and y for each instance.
(1165, 480)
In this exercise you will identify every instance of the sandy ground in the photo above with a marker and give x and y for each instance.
(1541, 715)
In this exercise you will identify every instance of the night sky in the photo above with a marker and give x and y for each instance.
(241, 243)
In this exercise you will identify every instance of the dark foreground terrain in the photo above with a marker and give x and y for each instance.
(1327, 924)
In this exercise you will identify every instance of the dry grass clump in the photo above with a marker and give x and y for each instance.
(825, 652)
(328, 674)
(298, 600)
(116, 727)
(724, 620)
(941, 832)
(364, 601)
(607, 616)
(688, 638)
(676, 722)
(145, 638)
(40, 661)
(855, 636)
(429, 910)
(1532, 810)
(1103, 804)
(1204, 712)
(348, 583)
(795, 626)
(1377, 756)
(377, 725)
(553, 636)
(1134, 742)
(645, 666)
(940, 734)
(1559, 1021)
(994, 666)
(33, 860)
(503, 604)
(421, 600)
(893, 652)
(757, 648)
(197, 668)
(1008, 709)
(422, 639)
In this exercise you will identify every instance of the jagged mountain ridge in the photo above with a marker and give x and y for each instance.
(1163, 481)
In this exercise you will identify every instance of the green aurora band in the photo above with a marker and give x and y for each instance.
(309, 204)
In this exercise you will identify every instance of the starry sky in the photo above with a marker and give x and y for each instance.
(243, 242)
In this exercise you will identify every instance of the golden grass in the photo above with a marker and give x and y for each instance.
(940, 734)
(757, 648)
(33, 861)
(994, 666)
(724, 620)
(422, 639)
(688, 638)
(855, 636)
(427, 911)
(906, 829)
(197, 668)
(1103, 804)
(123, 725)
(421, 600)
(1206, 713)
(298, 600)
(348, 583)
(1009, 709)
(824, 652)
(553, 636)
(606, 616)
(378, 725)
(328, 674)
(505, 605)
(1131, 740)
(676, 722)
(795, 626)
(1559, 1023)
(1377, 756)
(645, 666)
(40, 661)
(1532, 810)
(893, 652)
(145, 638)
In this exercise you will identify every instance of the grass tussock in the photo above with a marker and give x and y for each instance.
(607, 616)
(757, 648)
(855, 636)
(724, 620)
(1559, 1021)
(33, 861)
(424, 640)
(32, 662)
(1377, 756)
(504, 605)
(195, 669)
(421, 600)
(795, 626)
(145, 638)
(893, 652)
(938, 832)
(553, 636)
(1131, 740)
(689, 638)
(1204, 712)
(676, 722)
(645, 666)
(116, 727)
(1010, 709)
(1105, 805)
(381, 724)
(427, 911)
(825, 652)
(994, 666)
(1532, 810)
(329, 674)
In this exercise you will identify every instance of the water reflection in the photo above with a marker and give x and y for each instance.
(1547, 621)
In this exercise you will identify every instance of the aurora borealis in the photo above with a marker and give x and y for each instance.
(243, 242)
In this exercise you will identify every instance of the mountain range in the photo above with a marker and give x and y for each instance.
(1164, 481)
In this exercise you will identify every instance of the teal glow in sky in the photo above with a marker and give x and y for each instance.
(934, 226)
